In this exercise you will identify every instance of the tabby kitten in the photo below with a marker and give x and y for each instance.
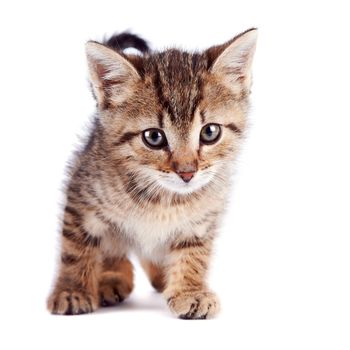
(154, 174)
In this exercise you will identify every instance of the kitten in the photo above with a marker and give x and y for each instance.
(154, 174)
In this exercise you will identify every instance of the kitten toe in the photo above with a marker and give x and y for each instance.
(113, 292)
(194, 305)
(109, 296)
(71, 303)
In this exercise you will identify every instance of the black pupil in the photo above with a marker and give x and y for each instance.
(210, 130)
(155, 137)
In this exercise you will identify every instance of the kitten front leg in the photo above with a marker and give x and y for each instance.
(76, 287)
(186, 292)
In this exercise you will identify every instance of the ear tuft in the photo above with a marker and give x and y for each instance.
(107, 69)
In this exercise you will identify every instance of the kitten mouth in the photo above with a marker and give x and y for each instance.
(176, 184)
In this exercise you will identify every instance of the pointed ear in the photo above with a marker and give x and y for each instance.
(233, 60)
(111, 75)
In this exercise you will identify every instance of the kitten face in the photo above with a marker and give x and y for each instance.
(171, 99)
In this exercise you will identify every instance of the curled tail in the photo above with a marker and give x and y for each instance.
(126, 40)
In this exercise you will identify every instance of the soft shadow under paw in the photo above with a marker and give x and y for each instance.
(150, 302)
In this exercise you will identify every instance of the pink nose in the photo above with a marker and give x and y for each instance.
(186, 176)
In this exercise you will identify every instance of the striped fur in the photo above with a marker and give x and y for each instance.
(123, 196)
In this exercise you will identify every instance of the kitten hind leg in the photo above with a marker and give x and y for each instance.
(156, 275)
(115, 280)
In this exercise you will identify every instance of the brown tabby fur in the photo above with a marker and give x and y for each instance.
(114, 200)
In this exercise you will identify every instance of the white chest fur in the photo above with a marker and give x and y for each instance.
(152, 232)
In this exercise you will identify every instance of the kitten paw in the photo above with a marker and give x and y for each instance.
(194, 305)
(71, 303)
(113, 291)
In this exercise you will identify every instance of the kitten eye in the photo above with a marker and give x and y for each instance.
(154, 138)
(210, 134)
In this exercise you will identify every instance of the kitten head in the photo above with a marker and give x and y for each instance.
(172, 120)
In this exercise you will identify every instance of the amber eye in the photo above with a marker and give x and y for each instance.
(154, 138)
(210, 133)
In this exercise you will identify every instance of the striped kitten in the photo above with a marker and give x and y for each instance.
(154, 174)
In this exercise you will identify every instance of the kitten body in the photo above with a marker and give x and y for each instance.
(154, 175)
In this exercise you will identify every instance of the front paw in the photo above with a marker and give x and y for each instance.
(71, 303)
(194, 305)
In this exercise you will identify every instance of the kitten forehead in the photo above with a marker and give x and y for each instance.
(177, 78)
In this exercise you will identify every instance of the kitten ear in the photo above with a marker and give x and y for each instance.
(234, 59)
(111, 75)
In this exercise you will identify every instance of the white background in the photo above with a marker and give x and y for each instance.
(282, 261)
